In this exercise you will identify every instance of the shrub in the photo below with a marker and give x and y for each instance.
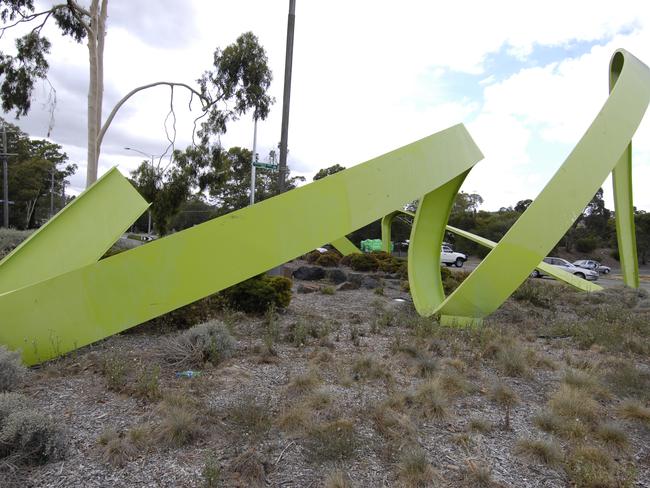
(312, 256)
(249, 468)
(361, 262)
(114, 371)
(334, 440)
(593, 467)
(180, 422)
(29, 437)
(586, 244)
(329, 259)
(505, 397)
(210, 342)
(12, 369)
(432, 399)
(575, 404)
(547, 452)
(414, 470)
(249, 415)
(257, 294)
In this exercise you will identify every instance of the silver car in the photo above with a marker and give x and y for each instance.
(592, 265)
(585, 274)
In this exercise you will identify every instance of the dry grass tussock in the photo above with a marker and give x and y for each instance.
(12, 370)
(210, 342)
(414, 470)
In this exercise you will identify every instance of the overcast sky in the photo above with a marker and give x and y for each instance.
(368, 76)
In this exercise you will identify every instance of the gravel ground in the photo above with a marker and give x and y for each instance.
(74, 391)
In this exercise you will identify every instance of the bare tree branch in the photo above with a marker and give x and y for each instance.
(205, 102)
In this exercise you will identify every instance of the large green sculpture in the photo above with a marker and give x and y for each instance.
(55, 296)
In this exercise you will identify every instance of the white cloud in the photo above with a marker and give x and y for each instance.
(358, 88)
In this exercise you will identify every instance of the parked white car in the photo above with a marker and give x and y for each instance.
(592, 265)
(585, 274)
(449, 257)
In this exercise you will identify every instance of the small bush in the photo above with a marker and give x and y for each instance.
(593, 467)
(612, 435)
(210, 342)
(337, 479)
(211, 472)
(114, 369)
(257, 294)
(116, 449)
(361, 262)
(12, 370)
(627, 380)
(180, 422)
(414, 470)
(249, 467)
(329, 259)
(304, 383)
(431, 399)
(586, 244)
(367, 367)
(544, 451)
(634, 410)
(575, 404)
(480, 425)
(478, 474)
(505, 397)
(249, 415)
(334, 440)
(29, 437)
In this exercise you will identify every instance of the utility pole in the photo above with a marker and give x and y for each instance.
(252, 201)
(288, 62)
(52, 192)
(5, 178)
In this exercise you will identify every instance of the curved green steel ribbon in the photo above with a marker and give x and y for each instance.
(76, 301)
(87, 303)
(558, 273)
(544, 222)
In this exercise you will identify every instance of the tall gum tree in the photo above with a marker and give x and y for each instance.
(240, 71)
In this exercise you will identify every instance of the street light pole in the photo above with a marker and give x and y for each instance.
(149, 156)
(252, 200)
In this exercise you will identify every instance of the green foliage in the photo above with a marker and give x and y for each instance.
(334, 440)
(361, 262)
(12, 370)
(587, 244)
(38, 171)
(322, 173)
(257, 294)
(329, 259)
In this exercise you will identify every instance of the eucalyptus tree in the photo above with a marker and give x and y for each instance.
(238, 81)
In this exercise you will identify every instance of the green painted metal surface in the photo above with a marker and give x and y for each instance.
(55, 296)
(542, 225)
(91, 302)
(557, 273)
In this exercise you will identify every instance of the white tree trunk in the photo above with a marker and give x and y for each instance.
(97, 32)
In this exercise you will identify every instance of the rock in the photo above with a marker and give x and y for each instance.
(336, 276)
(393, 284)
(303, 288)
(309, 273)
(370, 283)
(356, 278)
(348, 285)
